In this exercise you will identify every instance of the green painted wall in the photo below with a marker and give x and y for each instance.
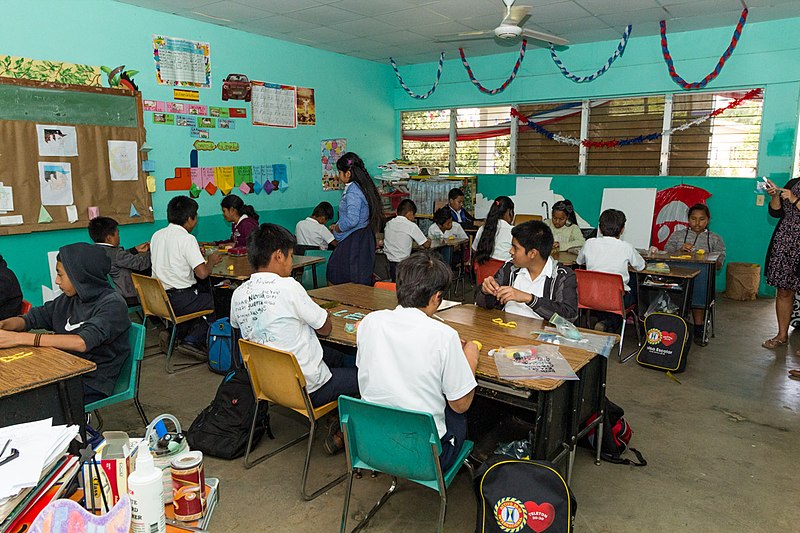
(351, 98)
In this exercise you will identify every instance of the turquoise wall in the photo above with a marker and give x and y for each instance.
(351, 99)
(762, 59)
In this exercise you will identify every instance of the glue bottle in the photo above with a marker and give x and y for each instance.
(145, 487)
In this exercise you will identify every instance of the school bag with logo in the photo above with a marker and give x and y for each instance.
(222, 429)
(223, 352)
(666, 343)
(617, 435)
(522, 495)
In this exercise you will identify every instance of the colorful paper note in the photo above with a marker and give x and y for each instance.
(268, 186)
(149, 165)
(280, 174)
(194, 191)
(223, 177)
(242, 174)
(257, 188)
(72, 214)
(181, 182)
(167, 119)
(197, 177)
(237, 112)
(246, 188)
(134, 212)
(44, 216)
(151, 184)
(93, 212)
(207, 174)
(220, 112)
(211, 189)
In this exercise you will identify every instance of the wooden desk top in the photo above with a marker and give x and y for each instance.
(441, 243)
(357, 295)
(686, 257)
(674, 272)
(20, 372)
(242, 270)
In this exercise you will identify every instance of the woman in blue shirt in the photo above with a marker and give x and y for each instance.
(360, 218)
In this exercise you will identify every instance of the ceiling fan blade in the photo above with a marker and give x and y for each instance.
(464, 36)
(516, 14)
(546, 37)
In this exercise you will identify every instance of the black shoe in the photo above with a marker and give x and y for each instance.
(163, 340)
(194, 350)
(700, 340)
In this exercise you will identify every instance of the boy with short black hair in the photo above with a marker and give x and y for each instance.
(400, 235)
(10, 292)
(532, 284)
(178, 263)
(312, 232)
(104, 231)
(455, 201)
(433, 370)
(444, 227)
(90, 319)
(609, 253)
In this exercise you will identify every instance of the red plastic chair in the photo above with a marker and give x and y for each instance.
(486, 270)
(26, 306)
(386, 285)
(601, 291)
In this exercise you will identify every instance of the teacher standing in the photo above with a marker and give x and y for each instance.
(360, 217)
(783, 257)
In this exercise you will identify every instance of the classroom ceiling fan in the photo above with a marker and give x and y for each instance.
(509, 29)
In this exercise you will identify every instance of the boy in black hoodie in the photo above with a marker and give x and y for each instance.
(10, 293)
(89, 320)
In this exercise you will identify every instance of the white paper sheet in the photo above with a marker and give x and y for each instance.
(55, 183)
(58, 141)
(11, 220)
(6, 198)
(123, 160)
(72, 214)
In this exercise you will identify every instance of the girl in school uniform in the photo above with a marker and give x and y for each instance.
(360, 218)
(564, 225)
(243, 219)
(692, 239)
(493, 240)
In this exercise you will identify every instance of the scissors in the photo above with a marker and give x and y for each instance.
(499, 322)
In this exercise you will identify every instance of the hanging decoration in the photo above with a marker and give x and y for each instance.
(623, 42)
(506, 83)
(737, 33)
(405, 87)
(538, 128)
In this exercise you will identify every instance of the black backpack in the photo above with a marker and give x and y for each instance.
(514, 493)
(617, 435)
(666, 343)
(222, 429)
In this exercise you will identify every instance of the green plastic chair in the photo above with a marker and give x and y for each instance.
(322, 269)
(397, 442)
(127, 385)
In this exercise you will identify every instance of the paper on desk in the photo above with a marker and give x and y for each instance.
(590, 342)
(535, 362)
(447, 304)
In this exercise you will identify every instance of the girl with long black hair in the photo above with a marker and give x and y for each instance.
(243, 219)
(493, 240)
(564, 224)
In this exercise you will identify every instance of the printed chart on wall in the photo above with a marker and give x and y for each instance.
(274, 105)
(332, 150)
(182, 62)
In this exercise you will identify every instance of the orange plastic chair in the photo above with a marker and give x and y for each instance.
(386, 285)
(601, 291)
(486, 270)
(26, 306)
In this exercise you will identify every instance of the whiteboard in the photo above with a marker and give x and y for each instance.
(638, 206)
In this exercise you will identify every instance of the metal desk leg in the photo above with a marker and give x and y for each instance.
(314, 275)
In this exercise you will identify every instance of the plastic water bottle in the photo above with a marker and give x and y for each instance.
(145, 487)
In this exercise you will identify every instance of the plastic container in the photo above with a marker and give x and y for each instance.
(145, 489)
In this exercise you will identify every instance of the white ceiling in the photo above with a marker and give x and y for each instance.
(404, 29)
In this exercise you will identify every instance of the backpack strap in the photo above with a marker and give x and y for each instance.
(620, 461)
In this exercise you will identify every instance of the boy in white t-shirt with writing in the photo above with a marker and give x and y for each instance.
(400, 235)
(312, 232)
(432, 370)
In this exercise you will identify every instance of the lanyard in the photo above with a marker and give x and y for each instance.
(708, 238)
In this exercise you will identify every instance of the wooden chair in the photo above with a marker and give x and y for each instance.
(276, 377)
(155, 303)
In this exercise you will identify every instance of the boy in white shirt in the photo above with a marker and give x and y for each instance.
(400, 235)
(443, 226)
(312, 233)
(432, 371)
(611, 254)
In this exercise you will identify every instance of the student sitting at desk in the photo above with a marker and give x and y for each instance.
(455, 203)
(273, 309)
(697, 237)
(243, 219)
(532, 284)
(444, 227)
(104, 231)
(90, 319)
(432, 371)
(10, 292)
(611, 254)
(312, 232)
(400, 235)
(564, 225)
(493, 239)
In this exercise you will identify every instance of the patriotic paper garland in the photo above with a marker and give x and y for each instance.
(411, 93)
(737, 33)
(623, 42)
(506, 83)
(631, 140)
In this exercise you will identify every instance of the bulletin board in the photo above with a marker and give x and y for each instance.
(92, 116)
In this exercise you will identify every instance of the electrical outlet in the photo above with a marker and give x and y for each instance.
(759, 200)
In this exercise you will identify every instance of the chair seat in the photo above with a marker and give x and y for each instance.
(111, 400)
(319, 412)
(191, 316)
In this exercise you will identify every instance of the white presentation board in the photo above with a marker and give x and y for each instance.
(638, 206)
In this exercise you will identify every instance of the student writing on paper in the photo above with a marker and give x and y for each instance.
(312, 232)
(564, 225)
(104, 231)
(10, 292)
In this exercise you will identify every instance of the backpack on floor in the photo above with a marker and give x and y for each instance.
(514, 493)
(223, 351)
(222, 429)
(666, 343)
(617, 435)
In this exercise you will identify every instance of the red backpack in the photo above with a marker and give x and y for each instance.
(617, 435)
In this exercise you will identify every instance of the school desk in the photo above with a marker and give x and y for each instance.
(566, 258)
(357, 295)
(443, 243)
(43, 382)
(242, 270)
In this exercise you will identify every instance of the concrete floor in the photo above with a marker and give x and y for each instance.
(721, 449)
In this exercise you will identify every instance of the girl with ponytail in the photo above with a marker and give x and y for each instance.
(493, 240)
(243, 219)
(360, 219)
(564, 224)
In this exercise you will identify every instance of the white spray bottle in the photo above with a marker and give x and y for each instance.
(145, 489)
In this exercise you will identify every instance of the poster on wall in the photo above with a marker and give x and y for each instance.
(55, 183)
(306, 111)
(182, 62)
(331, 150)
(123, 160)
(273, 105)
(57, 141)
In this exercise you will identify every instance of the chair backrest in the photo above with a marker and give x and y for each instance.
(276, 376)
(322, 269)
(25, 307)
(153, 297)
(386, 285)
(519, 218)
(126, 381)
(600, 291)
(486, 270)
(395, 441)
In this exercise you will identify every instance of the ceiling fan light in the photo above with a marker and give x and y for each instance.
(507, 31)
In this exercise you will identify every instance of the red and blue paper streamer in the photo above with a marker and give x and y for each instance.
(506, 83)
(623, 42)
(405, 87)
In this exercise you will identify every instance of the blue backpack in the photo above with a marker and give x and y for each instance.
(223, 352)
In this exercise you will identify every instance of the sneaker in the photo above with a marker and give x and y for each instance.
(601, 326)
(163, 340)
(194, 350)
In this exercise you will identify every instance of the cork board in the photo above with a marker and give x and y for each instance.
(98, 115)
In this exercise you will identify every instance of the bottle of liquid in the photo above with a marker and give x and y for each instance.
(145, 487)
